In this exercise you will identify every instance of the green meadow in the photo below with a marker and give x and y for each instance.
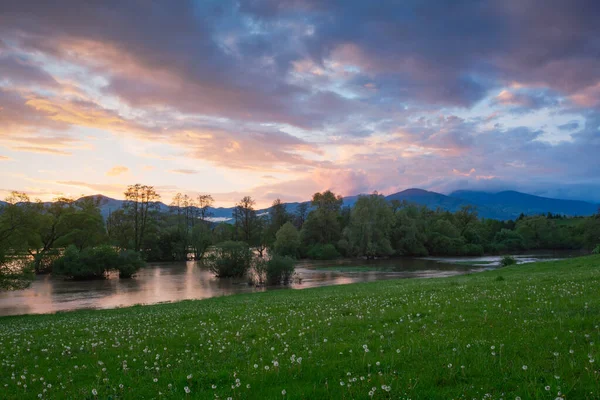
(529, 331)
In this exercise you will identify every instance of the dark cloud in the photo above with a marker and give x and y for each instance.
(569, 126)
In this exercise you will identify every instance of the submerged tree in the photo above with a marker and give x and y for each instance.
(140, 201)
(16, 272)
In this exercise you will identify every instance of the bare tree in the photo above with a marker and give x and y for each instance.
(204, 202)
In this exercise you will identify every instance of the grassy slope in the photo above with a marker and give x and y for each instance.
(420, 334)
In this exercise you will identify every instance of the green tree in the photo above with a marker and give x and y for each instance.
(322, 225)
(119, 228)
(200, 239)
(300, 215)
(52, 229)
(229, 259)
(278, 216)
(370, 227)
(86, 225)
(287, 241)
(16, 271)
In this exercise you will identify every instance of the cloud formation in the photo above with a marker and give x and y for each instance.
(117, 170)
(353, 96)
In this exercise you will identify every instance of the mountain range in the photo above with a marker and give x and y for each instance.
(502, 205)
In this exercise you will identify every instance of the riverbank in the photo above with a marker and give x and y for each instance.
(529, 330)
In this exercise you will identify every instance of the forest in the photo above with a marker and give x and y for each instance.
(71, 237)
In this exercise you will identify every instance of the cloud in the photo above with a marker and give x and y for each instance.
(346, 95)
(569, 126)
(117, 170)
(184, 171)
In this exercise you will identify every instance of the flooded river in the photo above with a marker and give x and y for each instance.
(165, 282)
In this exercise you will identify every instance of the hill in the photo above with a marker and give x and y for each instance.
(502, 206)
(512, 203)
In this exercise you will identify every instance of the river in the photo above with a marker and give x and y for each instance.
(167, 282)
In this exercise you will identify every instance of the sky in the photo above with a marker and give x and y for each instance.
(281, 99)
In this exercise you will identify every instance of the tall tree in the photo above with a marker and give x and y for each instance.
(53, 226)
(15, 270)
(322, 225)
(140, 201)
(370, 226)
(278, 217)
(301, 214)
(245, 219)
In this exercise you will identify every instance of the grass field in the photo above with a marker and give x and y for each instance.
(529, 331)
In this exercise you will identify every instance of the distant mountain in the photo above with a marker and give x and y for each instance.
(432, 200)
(512, 204)
(503, 205)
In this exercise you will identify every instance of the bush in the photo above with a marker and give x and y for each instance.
(471, 249)
(507, 260)
(596, 250)
(323, 252)
(90, 263)
(229, 259)
(280, 270)
(96, 262)
(129, 263)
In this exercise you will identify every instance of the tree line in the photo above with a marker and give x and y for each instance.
(35, 235)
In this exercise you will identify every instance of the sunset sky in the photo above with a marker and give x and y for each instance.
(285, 98)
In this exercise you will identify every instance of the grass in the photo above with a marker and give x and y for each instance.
(529, 331)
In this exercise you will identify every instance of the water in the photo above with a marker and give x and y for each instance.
(166, 282)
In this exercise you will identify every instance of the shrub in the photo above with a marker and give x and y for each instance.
(229, 259)
(90, 263)
(507, 260)
(596, 250)
(323, 252)
(129, 263)
(96, 262)
(280, 270)
(471, 249)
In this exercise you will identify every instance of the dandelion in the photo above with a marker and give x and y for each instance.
(547, 388)
(155, 380)
(524, 367)
(283, 392)
(189, 377)
(449, 365)
(94, 392)
(214, 386)
(186, 390)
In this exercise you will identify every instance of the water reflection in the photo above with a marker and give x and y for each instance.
(188, 280)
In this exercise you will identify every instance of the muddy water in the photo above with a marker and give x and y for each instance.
(163, 282)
